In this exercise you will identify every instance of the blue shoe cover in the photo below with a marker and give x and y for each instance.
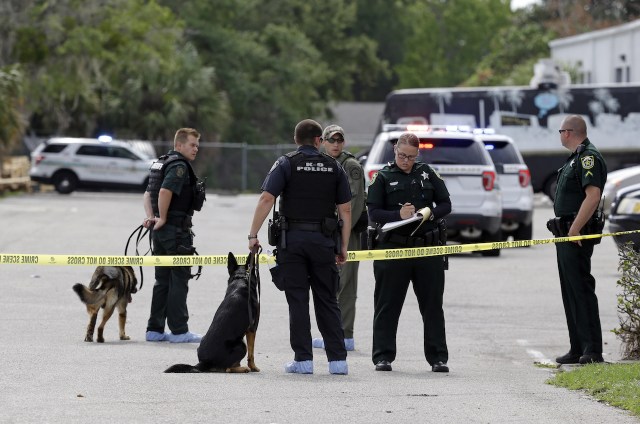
(187, 337)
(349, 344)
(154, 336)
(338, 367)
(299, 367)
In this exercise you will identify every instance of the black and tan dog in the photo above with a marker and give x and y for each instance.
(223, 347)
(110, 287)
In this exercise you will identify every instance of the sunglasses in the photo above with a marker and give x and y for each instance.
(335, 140)
(561, 131)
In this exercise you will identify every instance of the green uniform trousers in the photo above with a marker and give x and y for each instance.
(347, 293)
(579, 297)
(392, 281)
(169, 299)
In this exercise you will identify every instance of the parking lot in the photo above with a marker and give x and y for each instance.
(503, 314)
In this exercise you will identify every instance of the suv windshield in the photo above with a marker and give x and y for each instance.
(447, 151)
(501, 152)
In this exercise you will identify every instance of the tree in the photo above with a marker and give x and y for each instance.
(388, 24)
(11, 122)
(513, 53)
(279, 61)
(117, 66)
(448, 39)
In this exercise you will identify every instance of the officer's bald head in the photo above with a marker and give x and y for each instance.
(577, 124)
(307, 131)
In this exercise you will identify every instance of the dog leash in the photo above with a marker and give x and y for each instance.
(139, 237)
(253, 263)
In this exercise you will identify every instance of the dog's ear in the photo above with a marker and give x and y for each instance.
(232, 264)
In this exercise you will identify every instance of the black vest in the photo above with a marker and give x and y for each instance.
(180, 203)
(310, 192)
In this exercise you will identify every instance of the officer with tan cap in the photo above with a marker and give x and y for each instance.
(333, 143)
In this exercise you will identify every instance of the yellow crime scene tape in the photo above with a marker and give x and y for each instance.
(356, 255)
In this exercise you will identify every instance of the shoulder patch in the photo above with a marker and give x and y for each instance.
(587, 162)
(180, 170)
(355, 173)
(373, 179)
(273, 166)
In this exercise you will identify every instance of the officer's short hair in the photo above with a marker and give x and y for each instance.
(409, 138)
(182, 135)
(577, 124)
(306, 131)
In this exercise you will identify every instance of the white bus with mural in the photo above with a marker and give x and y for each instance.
(532, 117)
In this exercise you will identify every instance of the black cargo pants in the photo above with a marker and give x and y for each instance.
(392, 282)
(169, 300)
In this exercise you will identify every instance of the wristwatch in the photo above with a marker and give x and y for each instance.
(252, 237)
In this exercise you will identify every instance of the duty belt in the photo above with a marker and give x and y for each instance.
(305, 226)
(431, 238)
(184, 222)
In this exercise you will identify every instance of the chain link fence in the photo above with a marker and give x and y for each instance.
(239, 167)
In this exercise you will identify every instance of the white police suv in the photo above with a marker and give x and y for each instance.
(462, 160)
(71, 163)
(515, 183)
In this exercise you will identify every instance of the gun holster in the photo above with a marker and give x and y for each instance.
(274, 229)
(442, 239)
(372, 238)
(332, 227)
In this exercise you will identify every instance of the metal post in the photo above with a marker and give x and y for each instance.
(245, 167)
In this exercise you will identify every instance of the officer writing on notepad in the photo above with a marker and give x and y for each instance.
(396, 193)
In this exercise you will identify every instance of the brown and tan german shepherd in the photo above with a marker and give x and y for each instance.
(110, 287)
(237, 317)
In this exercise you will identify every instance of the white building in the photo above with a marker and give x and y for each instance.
(610, 55)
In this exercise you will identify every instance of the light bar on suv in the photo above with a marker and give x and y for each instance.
(436, 128)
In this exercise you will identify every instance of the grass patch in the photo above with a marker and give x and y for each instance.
(615, 384)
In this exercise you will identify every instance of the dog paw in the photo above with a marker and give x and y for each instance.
(100, 340)
(238, 370)
(255, 369)
(125, 338)
(88, 339)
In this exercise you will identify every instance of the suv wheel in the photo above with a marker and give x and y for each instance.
(65, 182)
(497, 236)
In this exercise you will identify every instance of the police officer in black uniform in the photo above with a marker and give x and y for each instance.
(396, 193)
(169, 202)
(580, 184)
(310, 185)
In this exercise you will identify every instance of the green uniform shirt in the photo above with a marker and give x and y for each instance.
(391, 188)
(175, 176)
(355, 174)
(579, 171)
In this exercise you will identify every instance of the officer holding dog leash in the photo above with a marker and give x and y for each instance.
(580, 184)
(396, 193)
(171, 197)
(310, 185)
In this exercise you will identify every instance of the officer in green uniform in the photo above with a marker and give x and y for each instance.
(333, 143)
(396, 193)
(169, 205)
(580, 184)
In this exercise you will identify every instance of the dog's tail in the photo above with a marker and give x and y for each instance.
(89, 297)
(182, 368)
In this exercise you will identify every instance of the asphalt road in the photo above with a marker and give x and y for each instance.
(503, 314)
